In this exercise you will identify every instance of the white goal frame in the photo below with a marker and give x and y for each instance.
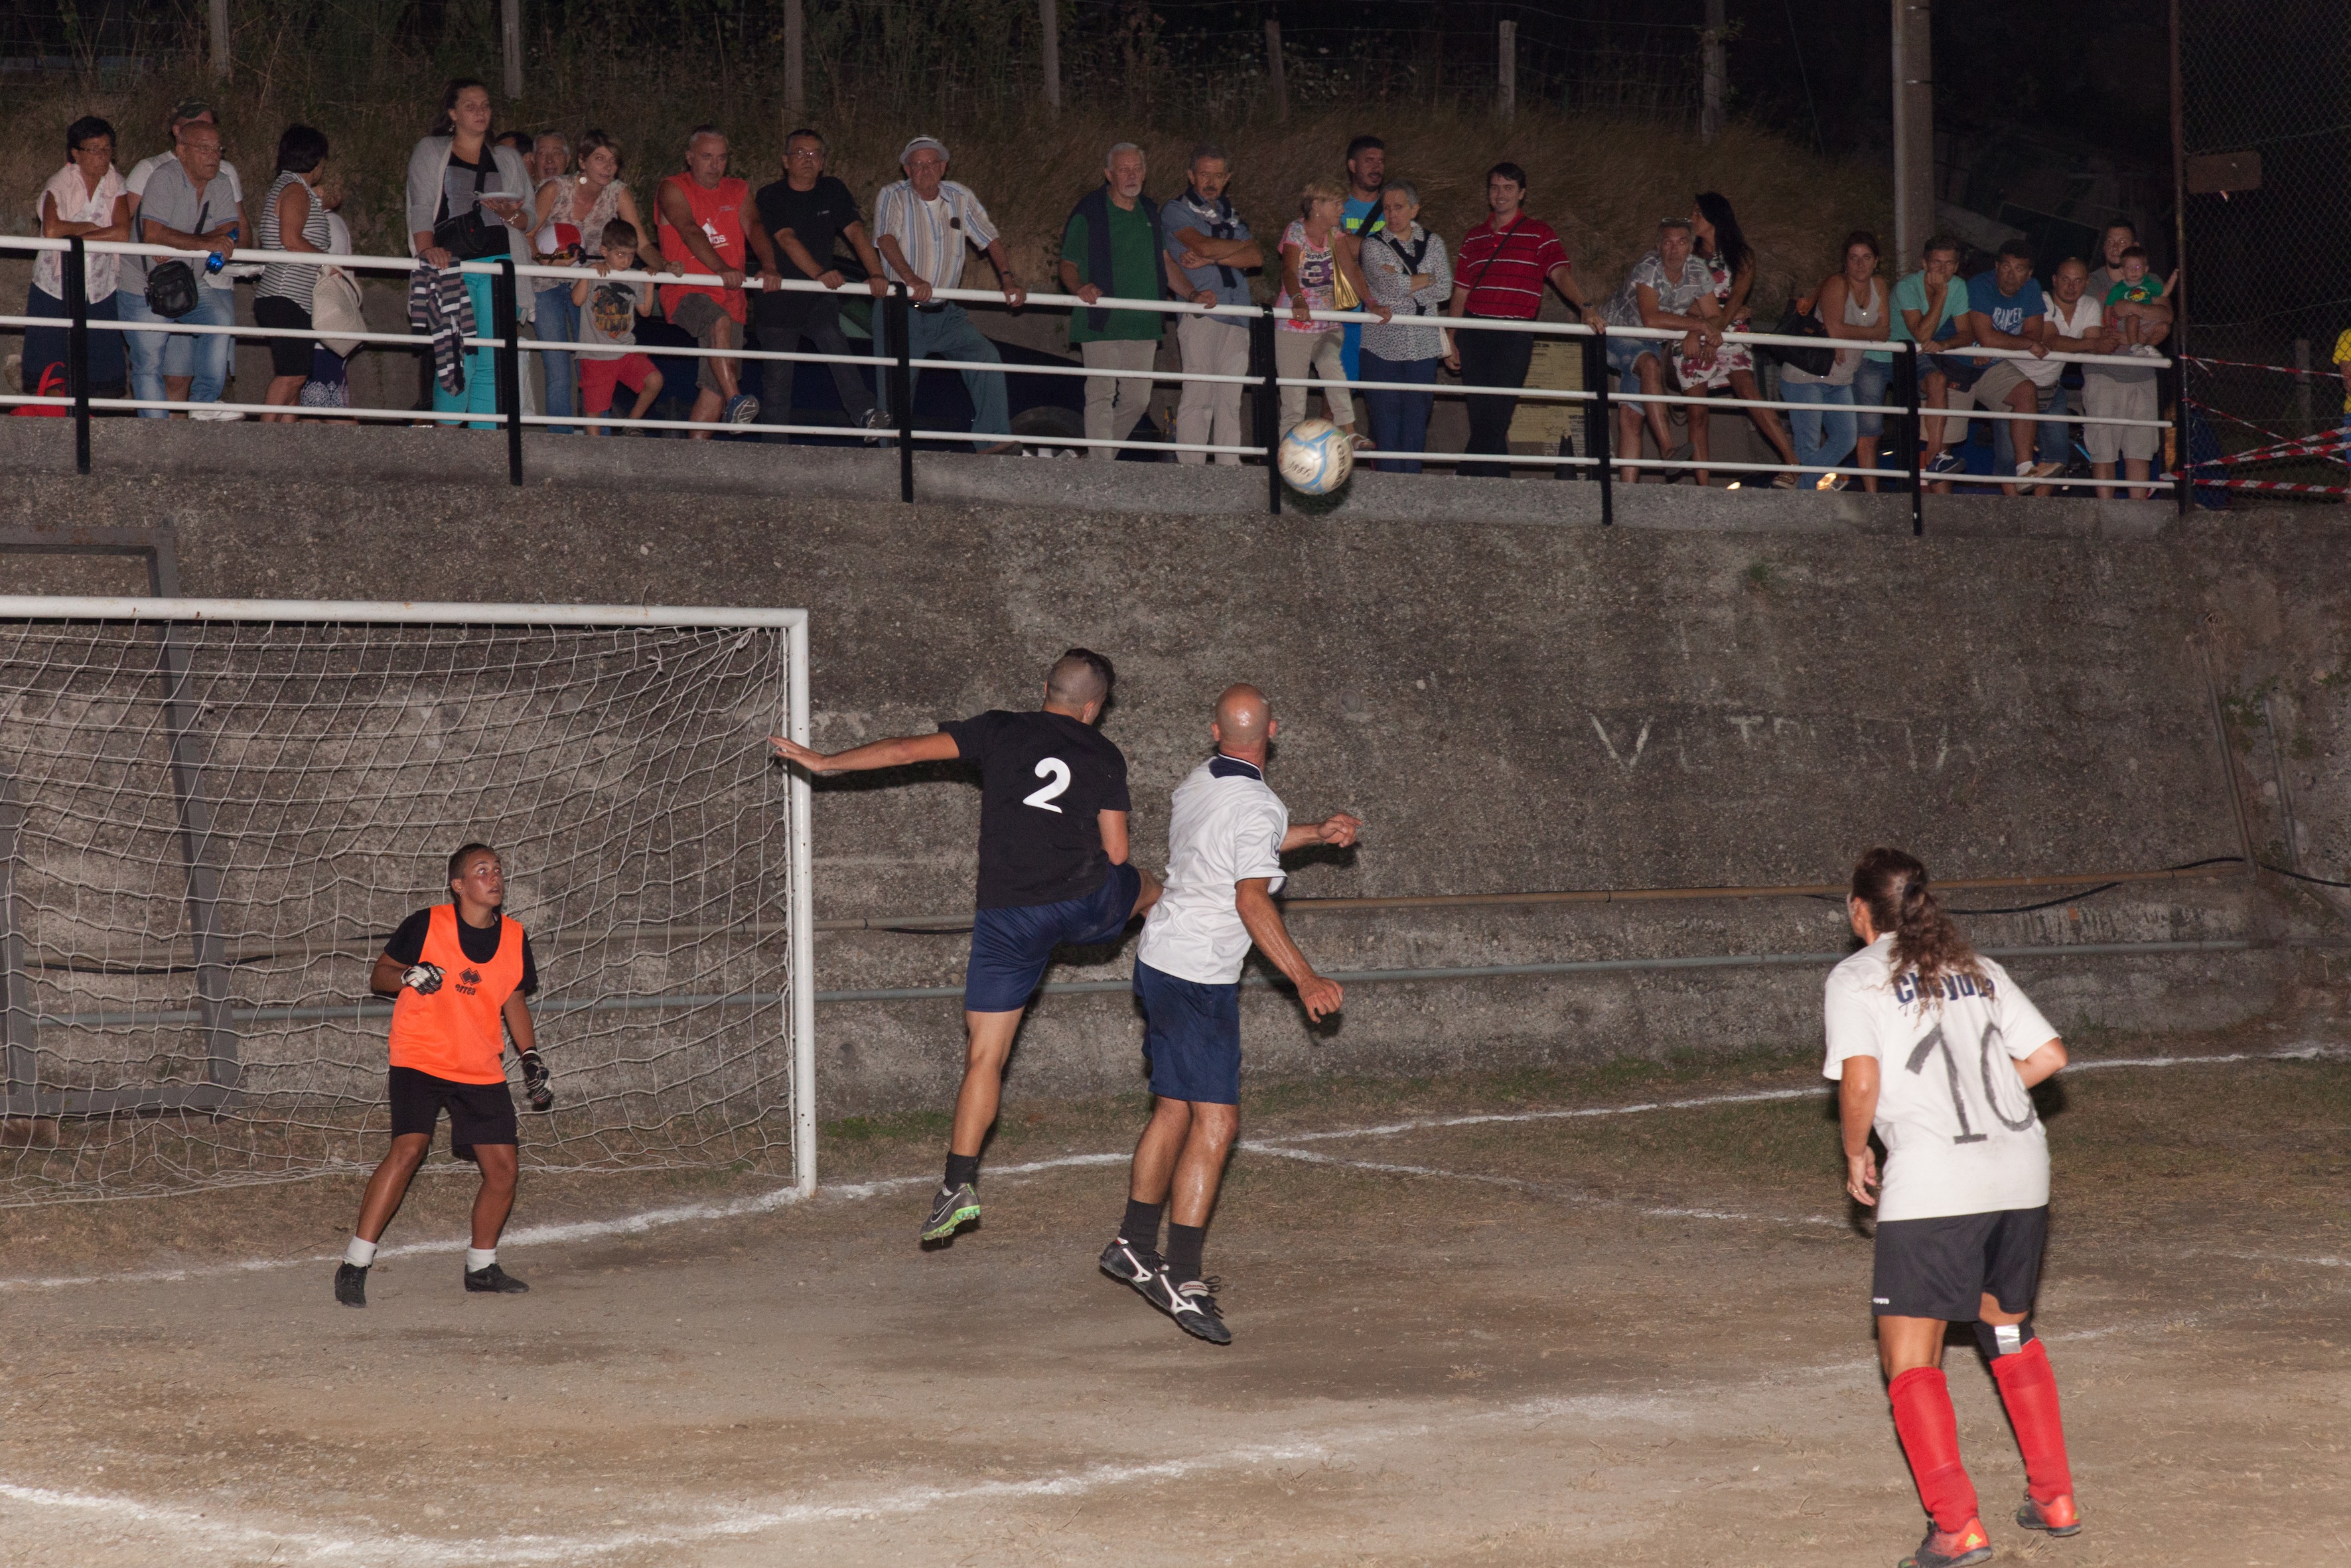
(801, 1002)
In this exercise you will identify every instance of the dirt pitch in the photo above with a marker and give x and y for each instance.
(1533, 1335)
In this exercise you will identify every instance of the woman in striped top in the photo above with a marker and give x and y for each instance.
(292, 219)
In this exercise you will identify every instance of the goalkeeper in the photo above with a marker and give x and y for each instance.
(456, 970)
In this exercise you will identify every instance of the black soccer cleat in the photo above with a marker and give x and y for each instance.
(494, 1281)
(1128, 1264)
(1193, 1305)
(950, 1212)
(351, 1285)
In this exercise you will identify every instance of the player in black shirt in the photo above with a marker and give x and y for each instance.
(1052, 869)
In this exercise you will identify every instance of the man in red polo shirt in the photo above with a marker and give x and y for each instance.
(702, 230)
(1499, 274)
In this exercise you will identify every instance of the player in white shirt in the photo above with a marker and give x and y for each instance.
(1937, 1050)
(1225, 842)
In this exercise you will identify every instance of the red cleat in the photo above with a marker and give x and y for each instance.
(1951, 1548)
(2058, 1516)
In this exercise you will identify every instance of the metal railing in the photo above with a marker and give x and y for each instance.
(895, 372)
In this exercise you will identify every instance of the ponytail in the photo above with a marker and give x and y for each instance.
(1893, 886)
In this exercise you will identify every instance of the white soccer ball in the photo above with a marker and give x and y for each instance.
(1316, 457)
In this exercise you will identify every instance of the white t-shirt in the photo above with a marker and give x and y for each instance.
(2085, 319)
(1961, 1133)
(1226, 828)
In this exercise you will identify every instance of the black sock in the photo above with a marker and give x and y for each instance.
(962, 1169)
(1140, 1229)
(1184, 1244)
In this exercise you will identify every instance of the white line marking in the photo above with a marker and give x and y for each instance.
(781, 1197)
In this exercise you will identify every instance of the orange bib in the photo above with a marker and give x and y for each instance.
(456, 1032)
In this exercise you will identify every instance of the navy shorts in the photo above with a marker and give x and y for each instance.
(1010, 947)
(1944, 1266)
(1192, 1037)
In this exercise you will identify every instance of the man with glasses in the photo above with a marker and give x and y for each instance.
(190, 201)
(922, 227)
(793, 229)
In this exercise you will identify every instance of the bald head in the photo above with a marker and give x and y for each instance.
(1079, 679)
(1244, 722)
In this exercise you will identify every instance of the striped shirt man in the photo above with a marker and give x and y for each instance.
(1504, 269)
(932, 236)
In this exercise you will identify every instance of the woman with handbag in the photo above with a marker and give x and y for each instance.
(1850, 307)
(1723, 245)
(87, 197)
(468, 200)
(292, 219)
(1318, 273)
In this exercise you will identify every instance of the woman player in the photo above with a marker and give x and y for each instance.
(1936, 1048)
(458, 971)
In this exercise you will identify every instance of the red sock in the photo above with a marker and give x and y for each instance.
(2029, 1388)
(1930, 1437)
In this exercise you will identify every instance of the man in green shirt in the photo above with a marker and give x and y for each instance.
(1111, 246)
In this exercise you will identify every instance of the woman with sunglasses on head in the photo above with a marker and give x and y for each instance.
(1935, 1048)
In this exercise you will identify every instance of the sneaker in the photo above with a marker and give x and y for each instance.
(2145, 351)
(876, 424)
(2058, 1516)
(1951, 1548)
(1786, 482)
(1947, 462)
(1128, 1264)
(1192, 1305)
(495, 1281)
(741, 409)
(223, 415)
(2046, 470)
(351, 1285)
(951, 1213)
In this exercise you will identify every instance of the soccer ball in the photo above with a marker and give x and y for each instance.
(1316, 457)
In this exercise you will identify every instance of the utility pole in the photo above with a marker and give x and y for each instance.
(510, 35)
(1048, 19)
(1506, 70)
(1713, 71)
(1273, 68)
(1914, 127)
(220, 39)
(795, 64)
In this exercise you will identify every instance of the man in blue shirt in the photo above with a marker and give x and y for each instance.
(2006, 310)
(1367, 177)
(1209, 255)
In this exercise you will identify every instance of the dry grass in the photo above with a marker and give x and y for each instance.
(1602, 183)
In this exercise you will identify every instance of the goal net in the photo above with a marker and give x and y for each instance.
(214, 814)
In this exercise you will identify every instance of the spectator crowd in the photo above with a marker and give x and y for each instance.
(1354, 242)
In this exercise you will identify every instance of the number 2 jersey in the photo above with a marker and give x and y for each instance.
(1042, 777)
(1958, 1123)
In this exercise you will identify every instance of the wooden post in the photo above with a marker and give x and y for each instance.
(1048, 17)
(1714, 73)
(1273, 68)
(510, 39)
(1506, 71)
(219, 17)
(795, 64)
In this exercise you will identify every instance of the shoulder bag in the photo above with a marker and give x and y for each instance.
(171, 284)
(1795, 323)
(469, 236)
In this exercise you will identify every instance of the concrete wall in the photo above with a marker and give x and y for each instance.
(1747, 692)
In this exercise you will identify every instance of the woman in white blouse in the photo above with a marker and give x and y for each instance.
(1408, 271)
(87, 197)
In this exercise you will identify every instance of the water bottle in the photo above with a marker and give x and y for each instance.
(216, 261)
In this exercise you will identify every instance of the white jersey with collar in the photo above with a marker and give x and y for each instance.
(1227, 827)
(1961, 1133)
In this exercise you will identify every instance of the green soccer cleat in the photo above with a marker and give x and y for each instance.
(951, 1213)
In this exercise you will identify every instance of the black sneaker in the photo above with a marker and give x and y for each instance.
(495, 1281)
(951, 1212)
(1193, 1305)
(1128, 1264)
(351, 1285)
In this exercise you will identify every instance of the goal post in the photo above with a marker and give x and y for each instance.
(214, 813)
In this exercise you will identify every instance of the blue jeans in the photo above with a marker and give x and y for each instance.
(1399, 419)
(1824, 437)
(557, 321)
(202, 357)
(481, 393)
(2053, 439)
(948, 333)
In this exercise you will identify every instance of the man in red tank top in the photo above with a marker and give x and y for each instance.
(702, 230)
(459, 974)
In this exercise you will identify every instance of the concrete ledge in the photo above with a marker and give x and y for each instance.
(323, 453)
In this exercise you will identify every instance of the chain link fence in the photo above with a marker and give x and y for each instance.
(2266, 127)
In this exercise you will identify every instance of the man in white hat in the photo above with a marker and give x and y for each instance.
(922, 225)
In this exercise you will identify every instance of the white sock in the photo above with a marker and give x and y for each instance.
(479, 1257)
(359, 1254)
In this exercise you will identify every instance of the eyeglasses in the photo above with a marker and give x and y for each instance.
(805, 153)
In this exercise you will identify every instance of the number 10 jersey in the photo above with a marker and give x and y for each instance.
(1960, 1129)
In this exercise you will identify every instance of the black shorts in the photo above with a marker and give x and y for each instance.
(287, 356)
(478, 1112)
(1944, 1266)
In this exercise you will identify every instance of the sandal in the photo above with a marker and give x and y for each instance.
(1362, 443)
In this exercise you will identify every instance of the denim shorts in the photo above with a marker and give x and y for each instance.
(1872, 384)
(1625, 352)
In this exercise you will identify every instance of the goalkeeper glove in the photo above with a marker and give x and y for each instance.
(534, 1082)
(423, 978)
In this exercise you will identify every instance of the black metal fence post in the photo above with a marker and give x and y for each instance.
(506, 324)
(1913, 427)
(77, 347)
(898, 311)
(1600, 424)
(1269, 404)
